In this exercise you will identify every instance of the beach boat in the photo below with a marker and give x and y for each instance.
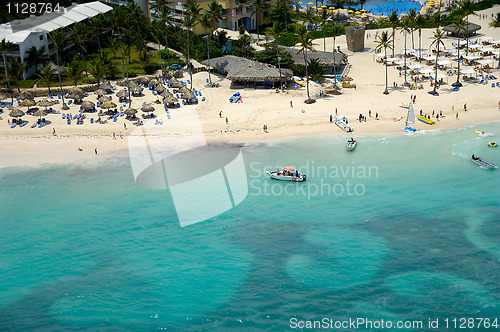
(479, 132)
(288, 173)
(342, 124)
(351, 144)
(492, 144)
(483, 163)
(425, 120)
(410, 119)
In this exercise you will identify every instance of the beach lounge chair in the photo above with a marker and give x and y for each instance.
(68, 121)
(92, 120)
(64, 116)
(33, 125)
(69, 102)
(13, 125)
(23, 124)
(456, 88)
(203, 99)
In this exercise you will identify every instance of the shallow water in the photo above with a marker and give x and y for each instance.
(403, 228)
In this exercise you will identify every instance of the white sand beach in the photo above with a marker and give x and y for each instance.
(34, 146)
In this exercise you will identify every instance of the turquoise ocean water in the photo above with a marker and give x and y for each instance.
(404, 228)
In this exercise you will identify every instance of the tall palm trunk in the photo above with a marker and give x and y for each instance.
(279, 63)
(436, 73)
(60, 83)
(458, 60)
(7, 77)
(393, 37)
(386, 92)
(334, 66)
(161, 62)
(208, 54)
(405, 58)
(420, 45)
(166, 45)
(307, 74)
(189, 63)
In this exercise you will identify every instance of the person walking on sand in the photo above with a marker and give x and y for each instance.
(121, 136)
(291, 104)
(227, 121)
(125, 126)
(95, 150)
(54, 132)
(220, 114)
(114, 135)
(457, 116)
(336, 111)
(465, 107)
(331, 118)
(376, 116)
(370, 113)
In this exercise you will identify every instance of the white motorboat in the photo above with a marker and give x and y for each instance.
(288, 173)
(342, 124)
(351, 144)
(483, 163)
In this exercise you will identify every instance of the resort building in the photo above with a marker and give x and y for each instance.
(244, 72)
(33, 31)
(232, 17)
(145, 5)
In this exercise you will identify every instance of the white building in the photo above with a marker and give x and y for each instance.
(33, 31)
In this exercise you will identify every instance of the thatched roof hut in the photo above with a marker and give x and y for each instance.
(325, 58)
(468, 30)
(87, 105)
(241, 69)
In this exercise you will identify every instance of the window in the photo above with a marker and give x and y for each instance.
(41, 37)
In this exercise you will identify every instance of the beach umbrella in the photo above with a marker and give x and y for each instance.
(160, 88)
(28, 103)
(106, 86)
(188, 96)
(145, 80)
(170, 100)
(136, 89)
(165, 93)
(100, 92)
(75, 89)
(40, 113)
(78, 95)
(104, 99)
(147, 108)
(184, 89)
(346, 79)
(154, 82)
(2, 96)
(122, 94)
(309, 3)
(25, 95)
(16, 113)
(108, 104)
(130, 111)
(300, 2)
(44, 103)
(88, 105)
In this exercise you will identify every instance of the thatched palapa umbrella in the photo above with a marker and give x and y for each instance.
(170, 100)
(78, 96)
(28, 103)
(130, 111)
(106, 86)
(184, 89)
(145, 80)
(104, 99)
(44, 103)
(25, 95)
(187, 96)
(122, 94)
(177, 85)
(136, 89)
(160, 88)
(100, 92)
(88, 105)
(166, 93)
(108, 104)
(16, 113)
(154, 82)
(40, 113)
(148, 108)
(75, 90)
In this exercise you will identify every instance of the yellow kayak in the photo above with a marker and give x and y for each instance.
(479, 132)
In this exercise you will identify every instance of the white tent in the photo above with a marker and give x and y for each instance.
(426, 70)
(487, 49)
(486, 38)
(407, 50)
(415, 66)
(430, 58)
(471, 57)
(379, 55)
(496, 42)
(444, 62)
(467, 71)
(392, 59)
(439, 76)
(484, 62)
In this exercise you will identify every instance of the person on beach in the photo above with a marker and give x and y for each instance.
(331, 118)
(125, 126)
(95, 150)
(114, 135)
(54, 132)
(220, 114)
(336, 111)
(227, 121)
(457, 115)
(121, 136)
(465, 107)
(376, 116)
(370, 113)
(291, 104)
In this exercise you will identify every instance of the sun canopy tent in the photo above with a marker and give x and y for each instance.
(484, 62)
(439, 76)
(426, 70)
(444, 62)
(415, 66)
(471, 57)
(467, 71)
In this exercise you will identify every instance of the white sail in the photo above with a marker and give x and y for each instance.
(410, 119)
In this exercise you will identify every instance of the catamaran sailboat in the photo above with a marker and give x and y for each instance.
(410, 119)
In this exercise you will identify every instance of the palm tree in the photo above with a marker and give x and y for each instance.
(275, 31)
(460, 25)
(384, 41)
(115, 18)
(35, 58)
(405, 27)
(164, 14)
(240, 4)
(74, 72)
(336, 31)
(113, 45)
(46, 75)
(305, 41)
(192, 14)
(206, 23)
(5, 47)
(59, 39)
(98, 70)
(394, 22)
(495, 23)
(258, 8)
(135, 15)
(157, 35)
(323, 19)
(437, 39)
(361, 3)
(215, 11)
(79, 36)
(16, 69)
(413, 16)
(96, 23)
(419, 24)
(467, 8)
(437, 19)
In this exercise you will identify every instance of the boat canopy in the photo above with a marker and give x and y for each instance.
(289, 168)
